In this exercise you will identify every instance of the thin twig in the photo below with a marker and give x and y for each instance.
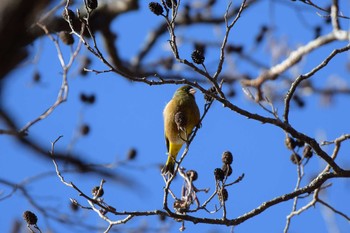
(300, 172)
(296, 83)
(63, 92)
(333, 209)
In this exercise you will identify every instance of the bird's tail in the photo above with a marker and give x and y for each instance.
(169, 165)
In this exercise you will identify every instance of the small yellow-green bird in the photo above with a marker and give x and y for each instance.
(181, 115)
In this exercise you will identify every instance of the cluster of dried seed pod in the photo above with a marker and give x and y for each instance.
(293, 144)
(158, 9)
(221, 174)
(226, 170)
(188, 193)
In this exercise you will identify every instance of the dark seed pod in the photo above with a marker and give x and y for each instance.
(92, 4)
(91, 99)
(86, 61)
(223, 195)
(83, 97)
(227, 169)
(307, 152)
(162, 218)
(36, 77)
(299, 143)
(85, 129)
(200, 47)
(181, 205)
(156, 8)
(234, 49)
(73, 206)
(211, 3)
(231, 93)
(66, 37)
(219, 174)
(169, 3)
(299, 101)
(97, 192)
(88, 99)
(192, 175)
(132, 153)
(290, 143)
(227, 157)
(261, 34)
(197, 57)
(317, 31)
(68, 15)
(295, 158)
(207, 97)
(30, 217)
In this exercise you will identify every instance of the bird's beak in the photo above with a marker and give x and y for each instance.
(192, 91)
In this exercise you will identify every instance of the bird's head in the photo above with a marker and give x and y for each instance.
(187, 89)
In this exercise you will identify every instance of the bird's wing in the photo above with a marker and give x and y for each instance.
(180, 120)
(167, 143)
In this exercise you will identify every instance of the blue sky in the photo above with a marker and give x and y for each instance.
(129, 115)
